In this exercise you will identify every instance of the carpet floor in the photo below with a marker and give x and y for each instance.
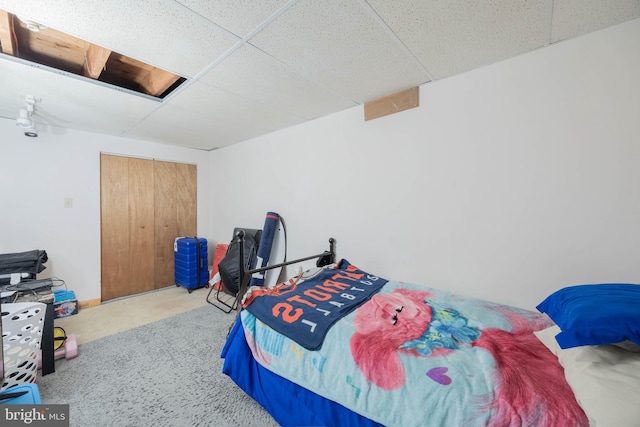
(162, 374)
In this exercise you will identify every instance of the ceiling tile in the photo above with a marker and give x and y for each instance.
(340, 45)
(252, 74)
(224, 117)
(161, 33)
(204, 136)
(453, 36)
(572, 18)
(217, 104)
(304, 58)
(73, 102)
(239, 17)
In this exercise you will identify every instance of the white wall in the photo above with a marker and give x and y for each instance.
(37, 174)
(507, 183)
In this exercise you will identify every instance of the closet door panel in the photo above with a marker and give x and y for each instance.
(141, 225)
(145, 205)
(165, 221)
(186, 194)
(114, 213)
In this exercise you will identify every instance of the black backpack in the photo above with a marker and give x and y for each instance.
(229, 266)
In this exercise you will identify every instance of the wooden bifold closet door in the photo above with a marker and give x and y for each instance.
(145, 205)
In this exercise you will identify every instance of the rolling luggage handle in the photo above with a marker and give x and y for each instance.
(198, 259)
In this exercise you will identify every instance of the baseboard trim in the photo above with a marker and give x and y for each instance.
(89, 303)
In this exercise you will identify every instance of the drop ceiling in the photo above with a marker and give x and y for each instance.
(250, 67)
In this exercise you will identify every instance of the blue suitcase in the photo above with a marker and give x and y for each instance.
(191, 268)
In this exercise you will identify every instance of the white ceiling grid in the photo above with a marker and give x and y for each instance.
(572, 18)
(255, 66)
(338, 44)
(489, 34)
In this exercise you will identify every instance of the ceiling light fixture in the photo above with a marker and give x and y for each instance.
(31, 132)
(25, 117)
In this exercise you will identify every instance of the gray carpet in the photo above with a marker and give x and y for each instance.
(167, 373)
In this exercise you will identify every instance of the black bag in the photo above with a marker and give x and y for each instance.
(30, 263)
(23, 262)
(229, 266)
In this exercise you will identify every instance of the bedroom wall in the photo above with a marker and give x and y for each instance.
(37, 174)
(507, 183)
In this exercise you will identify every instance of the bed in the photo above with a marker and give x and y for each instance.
(410, 355)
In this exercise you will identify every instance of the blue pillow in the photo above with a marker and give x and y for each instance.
(595, 314)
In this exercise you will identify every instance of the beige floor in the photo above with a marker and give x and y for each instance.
(126, 313)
